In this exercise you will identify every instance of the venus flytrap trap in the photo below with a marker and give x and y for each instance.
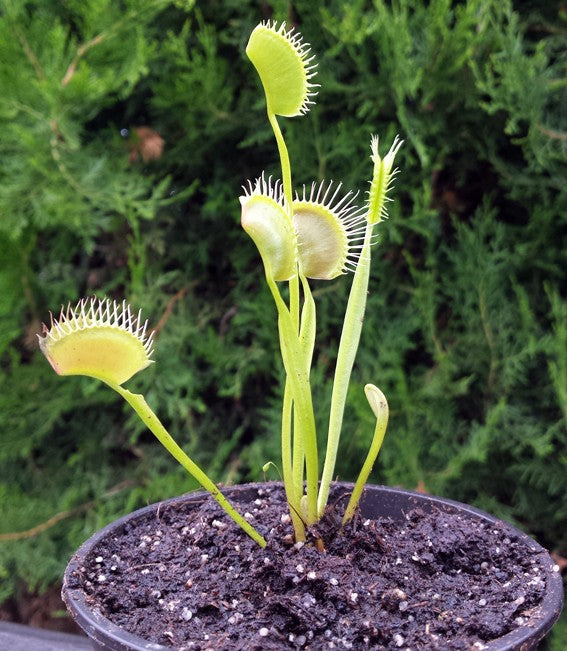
(319, 234)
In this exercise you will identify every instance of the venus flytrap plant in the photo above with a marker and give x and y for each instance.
(319, 235)
(331, 236)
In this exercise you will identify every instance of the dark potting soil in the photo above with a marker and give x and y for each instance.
(189, 579)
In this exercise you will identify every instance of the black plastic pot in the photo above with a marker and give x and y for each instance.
(377, 501)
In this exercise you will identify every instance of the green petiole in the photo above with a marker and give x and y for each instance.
(152, 422)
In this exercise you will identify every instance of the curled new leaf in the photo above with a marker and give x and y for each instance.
(377, 401)
(285, 69)
(97, 338)
(379, 405)
(266, 220)
(330, 230)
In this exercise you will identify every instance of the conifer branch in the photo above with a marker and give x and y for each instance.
(552, 133)
(62, 515)
(30, 54)
(171, 304)
(83, 49)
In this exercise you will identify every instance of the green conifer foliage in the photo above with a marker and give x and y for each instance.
(470, 273)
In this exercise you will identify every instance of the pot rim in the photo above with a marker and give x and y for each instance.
(103, 631)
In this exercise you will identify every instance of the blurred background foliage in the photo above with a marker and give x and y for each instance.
(127, 129)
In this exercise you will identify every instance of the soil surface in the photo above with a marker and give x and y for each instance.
(190, 579)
